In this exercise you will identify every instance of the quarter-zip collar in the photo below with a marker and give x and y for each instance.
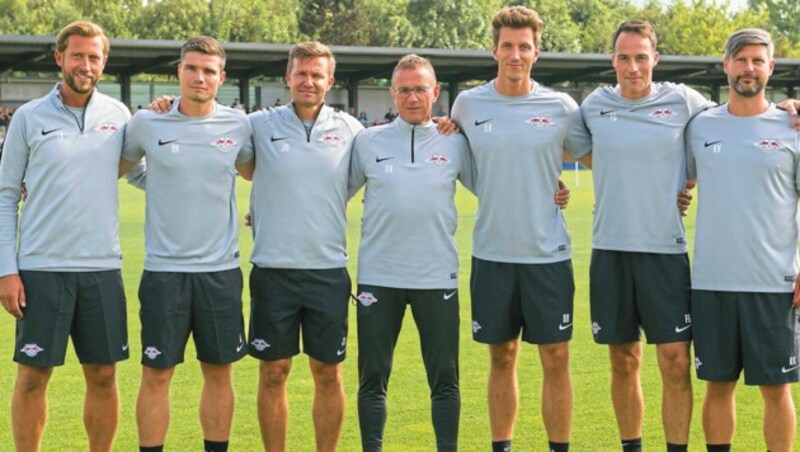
(422, 129)
(322, 116)
(58, 101)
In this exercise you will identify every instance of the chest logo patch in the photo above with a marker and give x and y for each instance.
(332, 139)
(664, 114)
(224, 144)
(540, 122)
(440, 160)
(108, 128)
(768, 144)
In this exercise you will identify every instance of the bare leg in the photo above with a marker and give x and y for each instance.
(216, 401)
(273, 407)
(780, 418)
(626, 388)
(674, 361)
(329, 404)
(556, 391)
(29, 406)
(503, 390)
(152, 406)
(101, 406)
(719, 412)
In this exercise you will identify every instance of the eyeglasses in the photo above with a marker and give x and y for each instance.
(418, 90)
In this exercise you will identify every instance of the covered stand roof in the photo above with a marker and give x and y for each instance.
(247, 60)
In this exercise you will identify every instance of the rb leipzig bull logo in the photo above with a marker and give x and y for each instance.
(367, 299)
(332, 139)
(663, 113)
(440, 160)
(540, 122)
(108, 128)
(768, 144)
(224, 144)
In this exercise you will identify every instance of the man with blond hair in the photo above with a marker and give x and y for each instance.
(63, 278)
(408, 253)
(745, 288)
(522, 277)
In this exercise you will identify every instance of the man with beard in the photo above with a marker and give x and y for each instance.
(64, 278)
(747, 164)
(192, 282)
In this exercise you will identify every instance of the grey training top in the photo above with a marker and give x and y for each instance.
(517, 144)
(299, 192)
(748, 175)
(191, 222)
(409, 223)
(70, 220)
(638, 166)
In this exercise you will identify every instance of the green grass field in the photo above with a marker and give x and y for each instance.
(408, 426)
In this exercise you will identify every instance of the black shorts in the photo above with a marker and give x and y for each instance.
(87, 306)
(754, 332)
(285, 300)
(633, 291)
(534, 298)
(207, 305)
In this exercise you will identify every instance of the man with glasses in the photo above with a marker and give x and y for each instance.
(408, 253)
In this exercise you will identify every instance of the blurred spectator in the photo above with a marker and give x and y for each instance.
(363, 118)
(440, 111)
(277, 102)
(389, 116)
(237, 104)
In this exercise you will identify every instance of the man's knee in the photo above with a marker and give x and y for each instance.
(32, 380)
(554, 357)
(100, 376)
(156, 378)
(273, 374)
(625, 359)
(216, 374)
(326, 375)
(675, 362)
(504, 356)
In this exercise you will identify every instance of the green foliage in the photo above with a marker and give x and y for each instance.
(684, 27)
(335, 22)
(451, 24)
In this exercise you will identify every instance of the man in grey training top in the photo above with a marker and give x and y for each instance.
(638, 232)
(64, 277)
(521, 268)
(299, 281)
(192, 282)
(747, 164)
(408, 253)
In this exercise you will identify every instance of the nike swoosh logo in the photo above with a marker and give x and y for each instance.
(340, 352)
(679, 329)
(448, 296)
(124, 347)
(48, 132)
(605, 112)
(786, 371)
(274, 139)
(563, 327)
(162, 142)
(477, 123)
(378, 159)
(239, 347)
(707, 144)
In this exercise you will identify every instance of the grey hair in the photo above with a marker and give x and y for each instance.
(746, 37)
